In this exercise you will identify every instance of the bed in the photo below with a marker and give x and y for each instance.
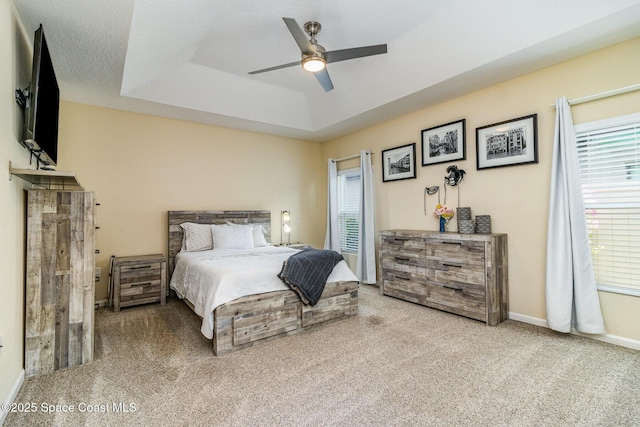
(238, 315)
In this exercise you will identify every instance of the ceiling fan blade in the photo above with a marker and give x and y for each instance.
(324, 79)
(277, 67)
(301, 39)
(356, 52)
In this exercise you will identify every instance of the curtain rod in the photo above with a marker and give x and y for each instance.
(601, 95)
(355, 156)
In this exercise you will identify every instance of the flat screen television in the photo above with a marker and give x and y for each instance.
(42, 104)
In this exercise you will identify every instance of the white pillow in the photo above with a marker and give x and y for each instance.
(228, 237)
(258, 232)
(197, 237)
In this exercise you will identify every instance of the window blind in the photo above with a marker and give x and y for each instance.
(609, 161)
(348, 209)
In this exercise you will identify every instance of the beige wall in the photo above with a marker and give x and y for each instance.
(14, 51)
(141, 166)
(517, 197)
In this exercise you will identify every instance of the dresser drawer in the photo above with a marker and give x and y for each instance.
(402, 262)
(402, 246)
(453, 272)
(468, 252)
(408, 290)
(463, 299)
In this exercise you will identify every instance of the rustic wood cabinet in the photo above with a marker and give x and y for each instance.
(465, 274)
(139, 280)
(60, 280)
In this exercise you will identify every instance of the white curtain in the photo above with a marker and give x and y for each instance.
(332, 238)
(366, 266)
(571, 293)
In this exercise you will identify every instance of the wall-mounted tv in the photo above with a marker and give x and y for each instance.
(42, 105)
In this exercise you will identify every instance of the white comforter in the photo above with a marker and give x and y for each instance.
(211, 278)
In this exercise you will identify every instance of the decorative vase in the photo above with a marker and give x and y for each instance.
(443, 224)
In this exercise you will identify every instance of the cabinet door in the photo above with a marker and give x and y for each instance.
(59, 292)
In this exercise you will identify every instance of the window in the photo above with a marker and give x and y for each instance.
(609, 159)
(348, 209)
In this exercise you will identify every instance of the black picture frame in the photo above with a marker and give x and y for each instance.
(399, 163)
(444, 143)
(509, 143)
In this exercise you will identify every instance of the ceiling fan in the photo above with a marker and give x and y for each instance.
(314, 56)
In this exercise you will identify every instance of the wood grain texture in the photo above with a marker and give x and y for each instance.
(255, 319)
(139, 279)
(211, 217)
(465, 274)
(59, 281)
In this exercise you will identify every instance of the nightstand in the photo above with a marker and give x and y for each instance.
(139, 280)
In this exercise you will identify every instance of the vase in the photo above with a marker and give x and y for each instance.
(443, 224)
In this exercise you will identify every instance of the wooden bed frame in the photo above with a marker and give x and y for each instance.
(255, 319)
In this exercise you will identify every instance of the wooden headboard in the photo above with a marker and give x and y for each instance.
(210, 217)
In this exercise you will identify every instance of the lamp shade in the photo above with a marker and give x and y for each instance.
(286, 226)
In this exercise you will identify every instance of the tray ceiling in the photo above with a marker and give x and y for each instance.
(190, 60)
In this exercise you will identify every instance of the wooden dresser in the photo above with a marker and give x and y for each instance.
(465, 274)
(139, 280)
(60, 280)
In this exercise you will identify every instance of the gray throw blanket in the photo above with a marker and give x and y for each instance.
(306, 272)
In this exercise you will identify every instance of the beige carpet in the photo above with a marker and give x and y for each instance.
(395, 364)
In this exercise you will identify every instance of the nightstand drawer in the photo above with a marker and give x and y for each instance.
(142, 273)
(139, 280)
(141, 288)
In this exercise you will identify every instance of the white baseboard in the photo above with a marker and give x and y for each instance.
(528, 319)
(13, 393)
(608, 338)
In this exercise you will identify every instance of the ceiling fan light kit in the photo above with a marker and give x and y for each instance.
(314, 56)
(313, 63)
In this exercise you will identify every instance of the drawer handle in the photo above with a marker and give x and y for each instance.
(402, 258)
(400, 239)
(402, 277)
(446, 242)
(139, 267)
(451, 265)
(141, 284)
(452, 287)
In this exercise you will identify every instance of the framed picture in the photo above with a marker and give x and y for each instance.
(444, 143)
(514, 142)
(399, 163)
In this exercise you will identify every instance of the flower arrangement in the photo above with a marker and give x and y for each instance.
(445, 213)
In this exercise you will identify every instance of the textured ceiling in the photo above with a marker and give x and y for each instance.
(190, 59)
